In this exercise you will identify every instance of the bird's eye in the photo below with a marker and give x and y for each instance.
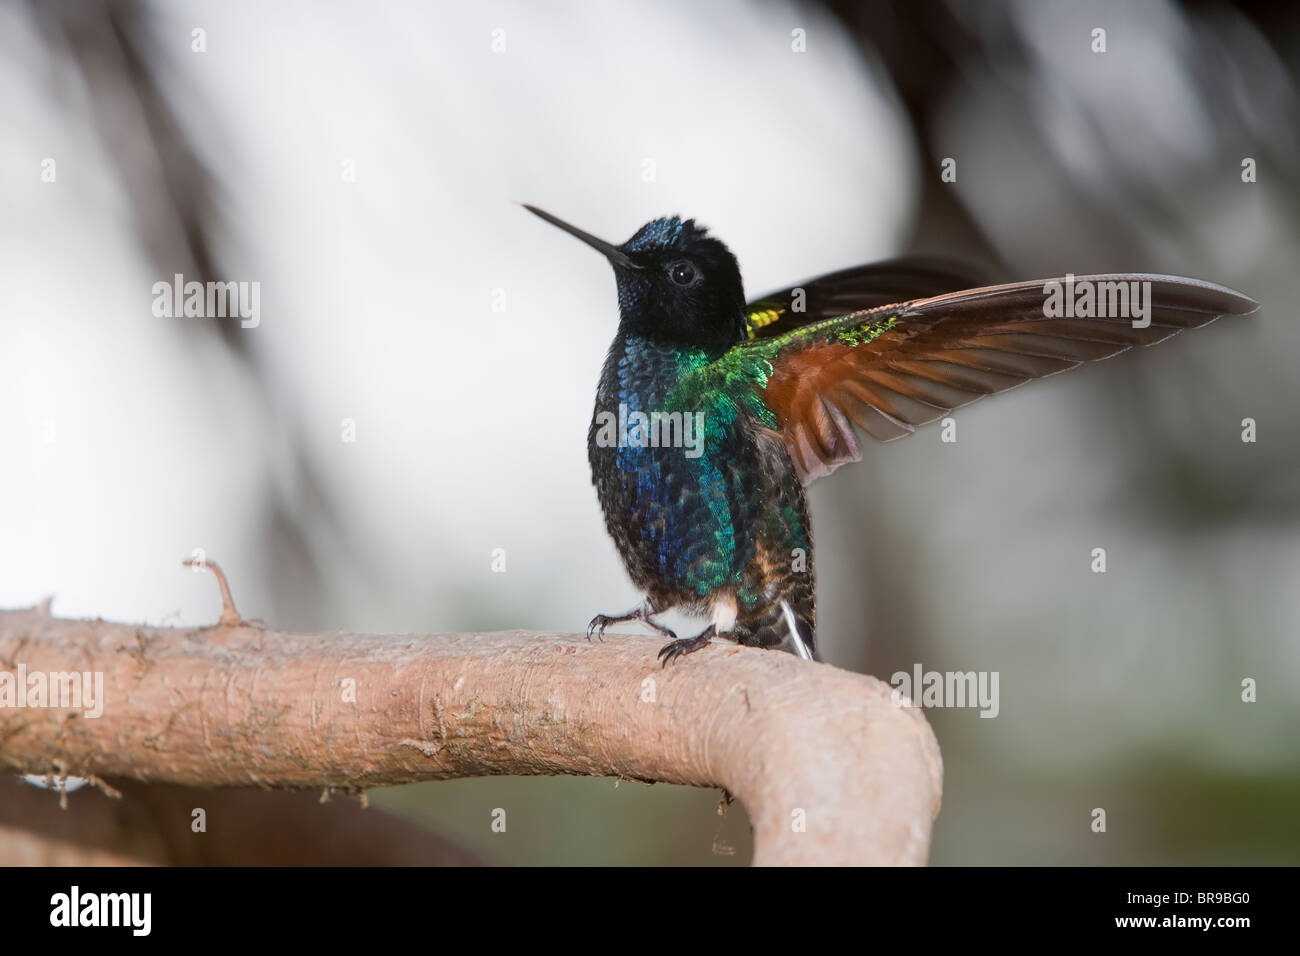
(682, 272)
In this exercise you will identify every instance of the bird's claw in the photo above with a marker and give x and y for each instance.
(641, 614)
(685, 645)
(598, 625)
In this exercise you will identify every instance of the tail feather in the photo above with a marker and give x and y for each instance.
(799, 633)
(781, 627)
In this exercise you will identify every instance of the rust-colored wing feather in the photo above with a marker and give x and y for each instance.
(891, 369)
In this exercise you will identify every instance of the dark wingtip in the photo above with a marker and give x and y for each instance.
(1248, 305)
(1205, 296)
(1187, 293)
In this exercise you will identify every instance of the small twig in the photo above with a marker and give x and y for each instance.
(229, 616)
(108, 789)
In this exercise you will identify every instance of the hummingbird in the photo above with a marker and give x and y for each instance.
(713, 414)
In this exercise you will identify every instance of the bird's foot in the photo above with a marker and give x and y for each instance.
(641, 613)
(686, 645)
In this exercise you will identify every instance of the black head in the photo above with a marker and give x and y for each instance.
(676, 283)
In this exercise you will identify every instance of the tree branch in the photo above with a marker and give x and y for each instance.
(829, 769)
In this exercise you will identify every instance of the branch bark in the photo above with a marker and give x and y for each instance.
(828, 768)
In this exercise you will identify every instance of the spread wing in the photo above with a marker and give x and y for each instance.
(892, 368)
(856, 290)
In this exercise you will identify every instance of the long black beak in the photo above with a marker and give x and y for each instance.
(611, 252)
